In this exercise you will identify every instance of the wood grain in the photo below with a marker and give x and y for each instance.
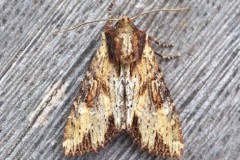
(40, 74)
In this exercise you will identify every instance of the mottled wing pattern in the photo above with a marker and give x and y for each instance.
(93, 121)
(151, 115)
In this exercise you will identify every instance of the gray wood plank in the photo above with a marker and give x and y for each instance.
(40, 74)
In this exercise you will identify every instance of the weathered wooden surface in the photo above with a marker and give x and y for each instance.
(40, 74)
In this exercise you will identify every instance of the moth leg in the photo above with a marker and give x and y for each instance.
(167, 58)
(162, 45)
(109, 24)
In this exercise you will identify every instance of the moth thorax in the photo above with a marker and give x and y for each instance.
(126, 48)
(127, 58)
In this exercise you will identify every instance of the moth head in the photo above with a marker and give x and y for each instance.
(123, 22)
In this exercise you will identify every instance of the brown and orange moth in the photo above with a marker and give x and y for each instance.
(124, 89)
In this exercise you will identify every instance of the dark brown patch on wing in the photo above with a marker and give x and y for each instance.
(135, 130)
(155, 94)
(163, 90)
(86, 143)
(160, 147)
(110, 35)
(105, 87)
(141, 39)
(92, 92)
(112, 48)
(143, 88)
(111, 130)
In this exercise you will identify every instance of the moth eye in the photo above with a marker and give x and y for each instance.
(117, 25)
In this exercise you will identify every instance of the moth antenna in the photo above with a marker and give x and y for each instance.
(158, 10)
(110, 23)
(81, 24)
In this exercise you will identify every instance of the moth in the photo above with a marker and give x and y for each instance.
(124, 89)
